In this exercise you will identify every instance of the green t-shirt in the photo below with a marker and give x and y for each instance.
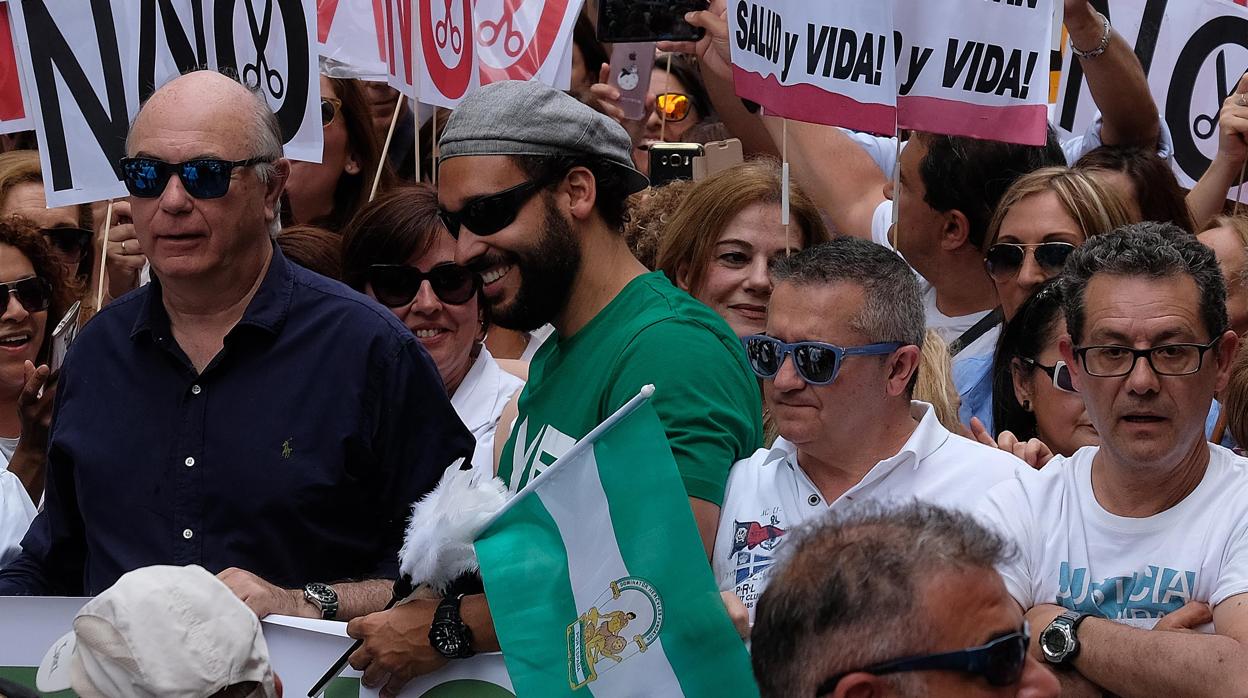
(652, 332)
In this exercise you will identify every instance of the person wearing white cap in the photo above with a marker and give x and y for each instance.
(173, 632)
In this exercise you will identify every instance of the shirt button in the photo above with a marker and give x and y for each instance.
(187, 533)
(190, 462)
(196, 390)
(813, 500)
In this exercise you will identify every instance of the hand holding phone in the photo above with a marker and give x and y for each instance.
(63, 336)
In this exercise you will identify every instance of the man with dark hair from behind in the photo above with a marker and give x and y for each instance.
(903, 600)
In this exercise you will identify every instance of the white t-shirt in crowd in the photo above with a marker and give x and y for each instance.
(16, 508)
(768, 494)
(479, 401)
(1075, 554)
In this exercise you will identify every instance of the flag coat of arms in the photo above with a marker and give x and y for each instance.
(598, 582)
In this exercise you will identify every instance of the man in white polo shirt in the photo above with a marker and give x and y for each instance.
(1148, 532)
(844, 332)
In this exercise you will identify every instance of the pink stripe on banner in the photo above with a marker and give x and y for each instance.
(1024, 124)
(811, 104)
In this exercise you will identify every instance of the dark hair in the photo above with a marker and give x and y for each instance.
(1023, 337)
(1151, 249)
(586, 41)
(849, 591)
(390, 230)
(613, 190)
(353, 190)
(26, 238)
(685, 69)
(971, 175)
(313, 248)
(1157, 190)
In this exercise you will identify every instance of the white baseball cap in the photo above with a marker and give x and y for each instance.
(160, 631)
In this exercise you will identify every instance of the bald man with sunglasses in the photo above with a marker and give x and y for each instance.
(838, 362)
(240, 412)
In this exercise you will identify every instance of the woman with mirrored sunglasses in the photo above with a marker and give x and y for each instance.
(329, 193)
(35, 296)
(397, 251)
(1033, 396)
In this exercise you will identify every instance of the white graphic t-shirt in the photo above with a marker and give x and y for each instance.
(768, 494)
(1075, 554)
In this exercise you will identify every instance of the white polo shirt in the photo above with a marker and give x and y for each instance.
(479, 401)
(16, 509)
(768, 494)
(1074, 553)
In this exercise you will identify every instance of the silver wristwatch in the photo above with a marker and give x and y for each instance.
(323, 597)
(1059, 643)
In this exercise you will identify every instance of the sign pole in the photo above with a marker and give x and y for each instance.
(108, 225)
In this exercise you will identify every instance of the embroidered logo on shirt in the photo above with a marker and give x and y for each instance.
(287, 451)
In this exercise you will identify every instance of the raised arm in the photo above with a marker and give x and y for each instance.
(1207, 198)
(1115, 78)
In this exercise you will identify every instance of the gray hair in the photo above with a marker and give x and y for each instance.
(848, 592)
(893, 307)
(1149, 249)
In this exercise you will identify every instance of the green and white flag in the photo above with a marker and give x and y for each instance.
(598, 582)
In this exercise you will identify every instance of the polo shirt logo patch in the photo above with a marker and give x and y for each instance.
(287, 451)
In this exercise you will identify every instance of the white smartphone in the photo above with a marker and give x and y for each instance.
(631, 66)
(63, 336)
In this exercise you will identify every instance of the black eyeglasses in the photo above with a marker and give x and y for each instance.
(1004, 259)
(396, 285)
(72, 242)
(1000, 662)
(486, 215)
(203, 178)
(1112, 361)
(330, 108)
(1059, 372)
(817, 363)
(34, 293)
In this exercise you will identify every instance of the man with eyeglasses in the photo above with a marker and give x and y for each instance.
(893, 600)
(533, 185)
(1148, 532)
(838, 363)
(239, 413)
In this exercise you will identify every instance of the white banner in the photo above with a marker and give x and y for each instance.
(13, 116)
(343, 31)
(800, 61)
(975, 68)
(89, 64)
(1194, 52)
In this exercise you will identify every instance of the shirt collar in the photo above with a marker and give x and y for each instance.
(928, 436)
(267, 310)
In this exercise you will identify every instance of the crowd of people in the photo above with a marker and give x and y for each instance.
(973, 430)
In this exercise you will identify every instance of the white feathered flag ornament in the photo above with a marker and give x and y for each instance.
(437, 548)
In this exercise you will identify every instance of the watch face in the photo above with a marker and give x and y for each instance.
(445, 640)
(323, 592)
(1053, 641)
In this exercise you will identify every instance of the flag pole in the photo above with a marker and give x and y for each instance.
(586, 443)
(108, 226)
(385, 149)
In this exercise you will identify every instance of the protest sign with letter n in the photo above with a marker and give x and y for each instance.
(597, 581)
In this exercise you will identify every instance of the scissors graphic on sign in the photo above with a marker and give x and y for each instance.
(444, 30)
(264, 76)
(1206, 125)
(504, 29)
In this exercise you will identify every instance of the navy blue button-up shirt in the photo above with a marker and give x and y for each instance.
(295, 455)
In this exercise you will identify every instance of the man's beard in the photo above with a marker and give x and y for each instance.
(546, 275)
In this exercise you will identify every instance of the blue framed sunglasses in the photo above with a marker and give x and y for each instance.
(1000, 662)
(817, 363)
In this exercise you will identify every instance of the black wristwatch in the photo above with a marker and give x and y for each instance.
(448, 634)
(323, 597)
(1059, 643)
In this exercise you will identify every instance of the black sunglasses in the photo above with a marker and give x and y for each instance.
(1004, 259)
(396, 285)
(1059, 372)
(203, 178)
(488, 214)
(1000, 662)
(34, 293)
(72, 242)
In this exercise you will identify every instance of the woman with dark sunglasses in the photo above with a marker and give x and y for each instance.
(35, 296)
(1039, 221)
(397, 251)
(330, 192)
(67, 229)
(1033, 396)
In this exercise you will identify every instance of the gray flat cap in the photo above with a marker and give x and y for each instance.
(526, 117)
